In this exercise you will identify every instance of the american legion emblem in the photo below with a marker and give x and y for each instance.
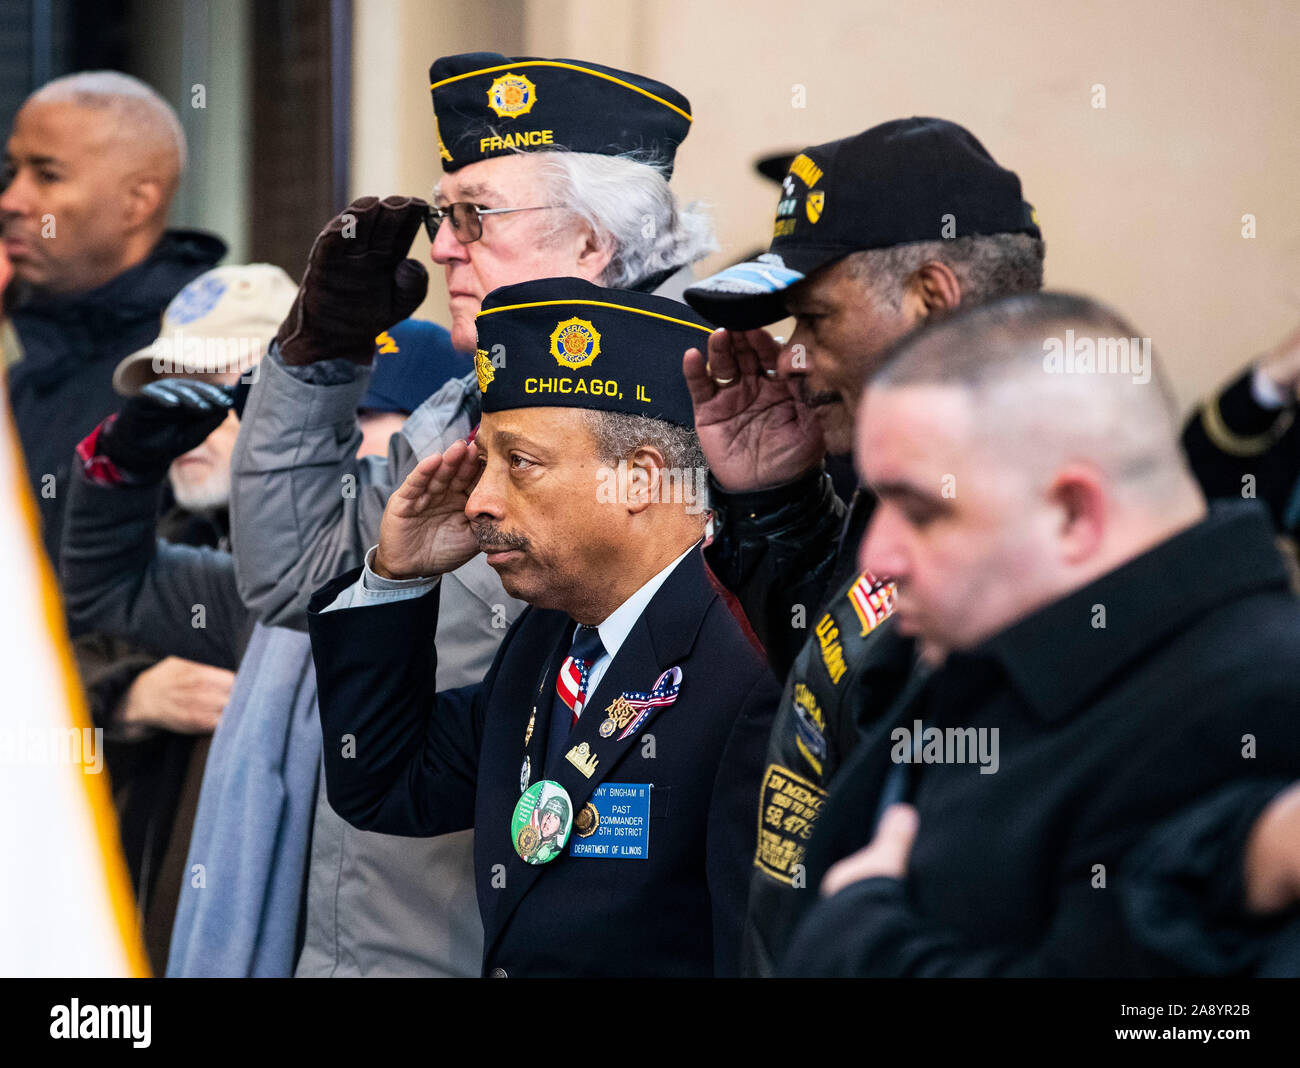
(574, 343)
(512, 95)
(483, 368)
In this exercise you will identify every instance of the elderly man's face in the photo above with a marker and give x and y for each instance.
(968, 539)
(840, 332)
(513, 248)
(535, 510)
(63, 210)
(200, 479)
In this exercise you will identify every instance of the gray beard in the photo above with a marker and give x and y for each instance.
(205, 497)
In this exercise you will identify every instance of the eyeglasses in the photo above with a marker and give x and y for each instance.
(466, 219)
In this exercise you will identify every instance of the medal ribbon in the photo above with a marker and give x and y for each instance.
(662, 694)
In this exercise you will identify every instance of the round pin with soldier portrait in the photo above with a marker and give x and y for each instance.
(542, 821)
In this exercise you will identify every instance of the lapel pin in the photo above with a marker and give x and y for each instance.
(582, 758)
(542, 820)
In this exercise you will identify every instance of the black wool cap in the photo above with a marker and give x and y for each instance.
(566, 343)
(486, 104)
(900, 182)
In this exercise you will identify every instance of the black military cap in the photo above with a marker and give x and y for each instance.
(903, 181)
(486, 104)
(566, 343)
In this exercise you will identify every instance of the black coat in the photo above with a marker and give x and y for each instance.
(1238, 448)
(1104, 733)
(63, 386)
(790, 556)
(1184, 889)
(430, 763)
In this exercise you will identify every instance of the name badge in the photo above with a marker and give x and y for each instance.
(614, 823)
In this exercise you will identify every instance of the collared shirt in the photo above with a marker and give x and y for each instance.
(371, 589)
(619, 623)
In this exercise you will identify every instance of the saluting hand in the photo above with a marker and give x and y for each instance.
(1282, 362)
(163, 422)
(753, 428)
(424, 531)
(358, 282)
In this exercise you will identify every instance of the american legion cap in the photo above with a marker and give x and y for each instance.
(566, 343)
(908, 180)
(486, 104)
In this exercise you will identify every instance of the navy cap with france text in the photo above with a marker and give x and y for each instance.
(486, 104)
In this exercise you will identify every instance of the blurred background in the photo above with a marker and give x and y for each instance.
(1148, 136)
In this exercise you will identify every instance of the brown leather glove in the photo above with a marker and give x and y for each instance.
(357, 284)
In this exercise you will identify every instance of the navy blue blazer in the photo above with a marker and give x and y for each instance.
(403, 758)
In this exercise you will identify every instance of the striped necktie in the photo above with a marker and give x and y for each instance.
(575, 672)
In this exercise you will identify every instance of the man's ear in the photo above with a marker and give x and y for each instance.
(1080, 496)
(645, 478)
(593, 254)
(932, 292)
(146, 197)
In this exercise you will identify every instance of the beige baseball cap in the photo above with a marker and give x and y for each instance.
(222, 322)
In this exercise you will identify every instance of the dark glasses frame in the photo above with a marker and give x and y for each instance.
(466, 219)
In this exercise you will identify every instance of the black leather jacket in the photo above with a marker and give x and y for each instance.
(789, 554)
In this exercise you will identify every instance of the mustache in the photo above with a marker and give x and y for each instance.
(819, 399)
(493, 539)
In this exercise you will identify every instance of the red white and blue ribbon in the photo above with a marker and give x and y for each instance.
(662, 694)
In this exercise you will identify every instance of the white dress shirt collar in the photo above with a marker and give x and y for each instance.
(619, 623)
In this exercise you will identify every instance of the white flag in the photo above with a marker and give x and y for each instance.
(66, 906)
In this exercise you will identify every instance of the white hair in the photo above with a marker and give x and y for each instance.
(626, 200)
(134, 105)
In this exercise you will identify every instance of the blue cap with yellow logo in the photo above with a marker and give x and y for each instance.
(900, 182)
(413, 359)
(566, 343)
(486, 104)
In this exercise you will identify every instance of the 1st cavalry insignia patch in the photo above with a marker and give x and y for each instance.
(814, 206)
(873, 601)
(574, 343)
(483, 369)
(512, 95)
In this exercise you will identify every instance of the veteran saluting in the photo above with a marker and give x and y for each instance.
(610, 759)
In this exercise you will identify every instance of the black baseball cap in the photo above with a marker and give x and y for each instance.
(486, 104)
(903, 181)
(566, 343)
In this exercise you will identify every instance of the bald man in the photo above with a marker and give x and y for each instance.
(1111, 650)
(91, 167)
